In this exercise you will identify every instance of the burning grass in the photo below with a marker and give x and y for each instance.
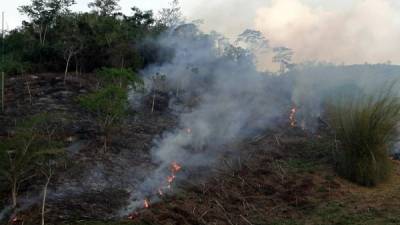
(367, 128)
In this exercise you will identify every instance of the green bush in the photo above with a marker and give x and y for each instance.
(119, 76)
(21, 152)
(108, 105)
(367, 128)
(12, 66)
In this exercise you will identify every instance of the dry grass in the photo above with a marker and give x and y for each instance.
(367, 128)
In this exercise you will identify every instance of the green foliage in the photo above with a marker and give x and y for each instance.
(367, 128)
(13, 66)
(104, 7)
(21, 153)
(54, 36)
(121, 77)
(109, 101)
(108, 105)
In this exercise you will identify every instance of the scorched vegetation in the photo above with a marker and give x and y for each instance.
(143, 118)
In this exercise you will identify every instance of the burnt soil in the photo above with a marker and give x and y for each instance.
(284, 176)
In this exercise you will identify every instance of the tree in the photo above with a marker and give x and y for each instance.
(69, 41)
(43, 14)
(158, 82)
(19, 153)
(109, 106)
(171, 17)
(283, 56)
(253, 40)
(47, 166)
(104, 7)
(122, 78)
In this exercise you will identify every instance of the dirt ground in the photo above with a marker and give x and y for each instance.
(283, 177)
(285, 180)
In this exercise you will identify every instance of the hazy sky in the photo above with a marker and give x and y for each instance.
(13, 18)
(351, 31)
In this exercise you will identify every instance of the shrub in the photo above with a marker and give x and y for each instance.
(12, 66)
(367, 128)
(21, 152)
(108, 105)
(119, 76)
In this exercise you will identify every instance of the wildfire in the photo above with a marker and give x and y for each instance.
(16, 220)
(133, 215)
(146, 203)
(292, 117)
(170, 179)
(188, 131)
(174, 169)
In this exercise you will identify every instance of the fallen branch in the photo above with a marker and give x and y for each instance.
(225, 213)
(246, 220)
(277, 140)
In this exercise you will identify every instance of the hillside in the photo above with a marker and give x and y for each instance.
(282, 176)
(113, 117)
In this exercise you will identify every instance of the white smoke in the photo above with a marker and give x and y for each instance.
(356, 32)
(234, 101)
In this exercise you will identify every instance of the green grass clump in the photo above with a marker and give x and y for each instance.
(367, 128)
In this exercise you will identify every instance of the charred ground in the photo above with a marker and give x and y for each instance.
(283, 176)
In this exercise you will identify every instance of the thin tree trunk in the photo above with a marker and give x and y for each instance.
(66, 67)
(29, 92)
(105, 143)
(40, 33)
(14, 193)
(154, 102)
(76, 67)
(44, 35)
(45, 196)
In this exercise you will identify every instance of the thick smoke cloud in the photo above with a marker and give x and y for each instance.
(232, 100)
(357, 31)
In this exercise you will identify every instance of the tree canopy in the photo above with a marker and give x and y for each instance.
(55, 39)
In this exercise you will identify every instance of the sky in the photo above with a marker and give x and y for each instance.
(340, 31)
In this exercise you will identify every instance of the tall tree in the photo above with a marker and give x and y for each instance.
(253, 40)
(172, 16)
(104, 7)
(19, 153)
(69, 39)
(283, 56)
(43, 14)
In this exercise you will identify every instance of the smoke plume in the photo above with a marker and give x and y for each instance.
(232, 100)
(355, 31)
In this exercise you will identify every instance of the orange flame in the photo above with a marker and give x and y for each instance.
(133, 216)
(146, 203)
(175, 167)
(16, 220)
(170, 179)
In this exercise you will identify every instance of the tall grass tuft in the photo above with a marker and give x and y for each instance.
(366, 126)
